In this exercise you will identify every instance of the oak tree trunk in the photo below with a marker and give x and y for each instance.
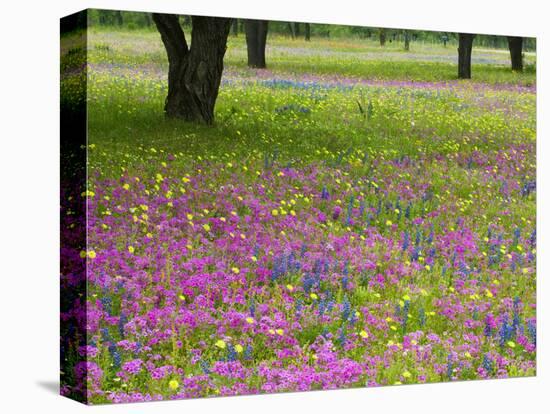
(307, 30)
(194, 73)
(148, 20)
(256, 36)
(465, 42)
(515, 44)
(382, 34)
(118, 18)
(291, 30)
(235, 27)
(407, 40)
(102, 18)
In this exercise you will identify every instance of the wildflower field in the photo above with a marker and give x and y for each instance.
(356, 217)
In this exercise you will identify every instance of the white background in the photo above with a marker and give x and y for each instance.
(29, 147)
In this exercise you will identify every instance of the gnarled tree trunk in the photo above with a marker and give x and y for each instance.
(465, 42)
(515, 44)
(256, 36)
(194, 73)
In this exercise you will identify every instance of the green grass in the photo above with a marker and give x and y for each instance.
(353, 58)
(402, 121)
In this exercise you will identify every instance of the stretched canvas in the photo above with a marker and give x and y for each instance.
(254, 206)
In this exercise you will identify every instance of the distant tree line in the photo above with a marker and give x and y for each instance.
(300, 30)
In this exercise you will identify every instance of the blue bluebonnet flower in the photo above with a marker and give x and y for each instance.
(345, 278)
(488, 364)
(346, 309)
(122, 321)
(231, 353)
(533, 238)
(105, 336)
(204, 366)
(321, 307)
(361, 208)
(430, 238)
(532, 330)
(488, 330)
(422, 316)
(247, 355)
(115, 355)
(450, 367)
(408, 211)
(308, 282)
(342, 336)
(252, 308)
(405, 244)
(505, 332)
(107, 303)
(528, 187)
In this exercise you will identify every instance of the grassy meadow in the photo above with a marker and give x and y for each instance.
(355, 217)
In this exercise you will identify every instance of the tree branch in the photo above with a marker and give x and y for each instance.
(172, 35)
